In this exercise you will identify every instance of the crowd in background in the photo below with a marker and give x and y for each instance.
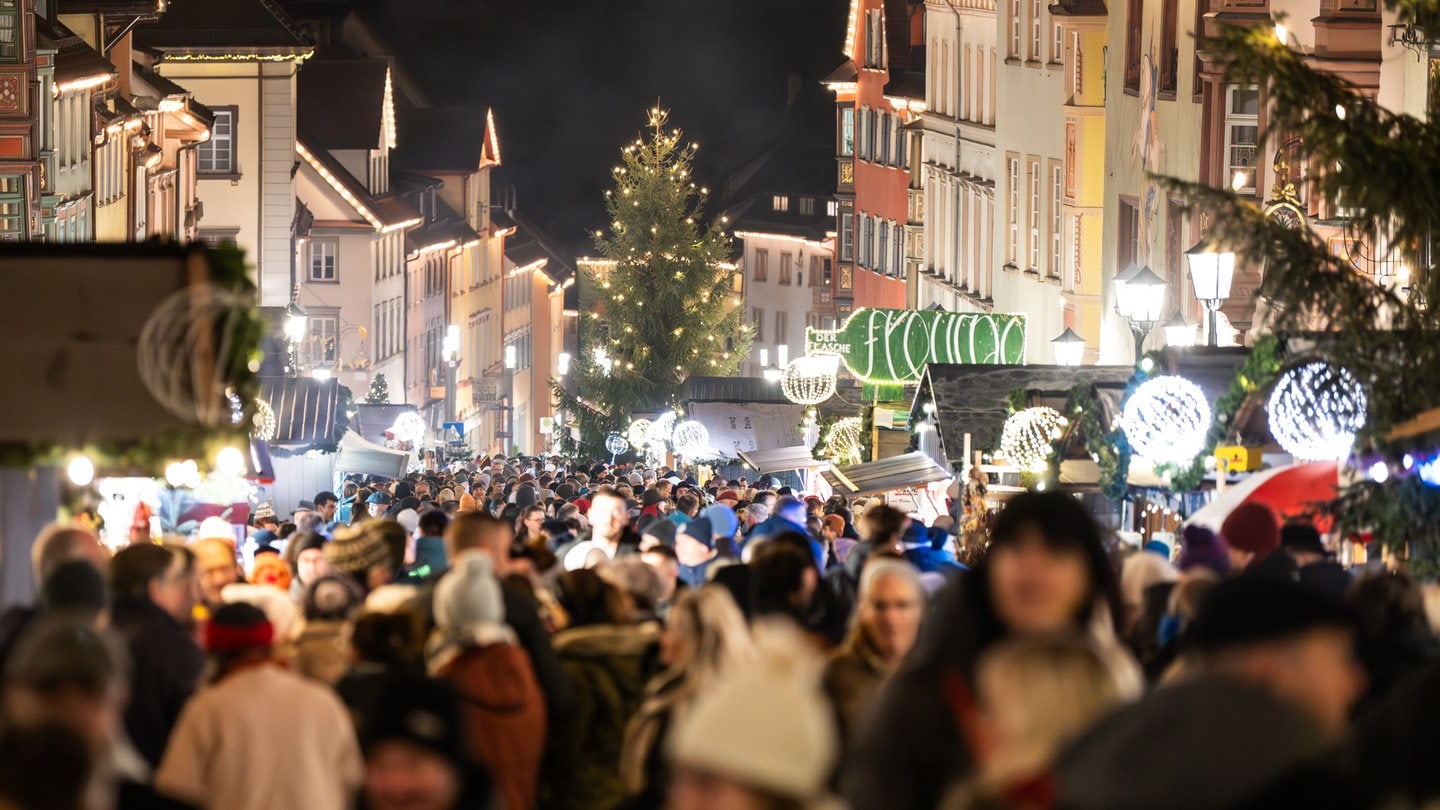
(522, 633)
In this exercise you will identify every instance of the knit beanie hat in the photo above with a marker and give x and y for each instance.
(469, 608)
(467, 503)
(355, 551)
(238, 626)
(278, 607)
(1253, 609)
(662, 530)
(1252, 527)
(834, 523)
(723, 521)
(1200, 546)
(699, 529)
(271, 570)
(766, 726)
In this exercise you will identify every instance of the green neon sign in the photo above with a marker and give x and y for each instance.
(890, 346)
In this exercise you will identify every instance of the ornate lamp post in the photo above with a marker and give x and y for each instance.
(1141, 298)
(1211, 272)
(1069, 348)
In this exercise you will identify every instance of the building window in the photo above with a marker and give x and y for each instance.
(324, 258)
(9, 31)
(1012, 209)
(12, 207)
(1127, 247)
(787, 269)
(1242, 133)
(897, 250)
(757, 317)
(1015, 25)
(780, 202)
(1057, 45)
(1037, 28)
(762, 265)
(864, 153)
(807, 206)
(324, 334)
(887, 134)
(1057, 230)
(782, 328)
(875, 154)
(1169, 52)
(1033, 175)
(847, 237)
(217, 155)
(1133, 19)
(883, 250)
(875, 40)
(847, 131)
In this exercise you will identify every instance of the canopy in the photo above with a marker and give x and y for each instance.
(897, 472)
(367, 458)
(1291, 491)
(781, 459)
(306, 411)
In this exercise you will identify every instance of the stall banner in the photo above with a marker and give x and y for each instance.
(894, 345)
(748, 426)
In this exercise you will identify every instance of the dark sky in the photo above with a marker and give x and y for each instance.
(570, 80)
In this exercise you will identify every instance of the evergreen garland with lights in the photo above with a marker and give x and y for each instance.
(662, 305)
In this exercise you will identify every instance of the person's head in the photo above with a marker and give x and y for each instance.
(63, 671)
(360, 554)
(638, 582)
(755, 514)
(687, 504)
(890, 605)
(270, 570)
(788, 507)
(1302, 542)
(394, 641)
(307, 553)
(832, 527)
(527, 526)
(667, 566)
(1036, 694)
(883, 525)
(783, 578)
(729, 497)
(1046, 570)
(608, 515)
(164, 575)
(468, 605)
(332, 598)
(236, 633)
(59, 543)
(433, 522)
(588, 599)
(1388, 605)
(76, 590)
(1251, 532)
(481, 531)
(218, 566)
(416, 756)
(1291, 639)
(695, 543)
(325, 505)
(394, 535)
(705, 634)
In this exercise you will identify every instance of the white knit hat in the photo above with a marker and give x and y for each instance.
(765, 726)
(469, 608)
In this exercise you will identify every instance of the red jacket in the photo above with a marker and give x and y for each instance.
(504, 716)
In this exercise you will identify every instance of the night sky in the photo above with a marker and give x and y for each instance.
(570, 80)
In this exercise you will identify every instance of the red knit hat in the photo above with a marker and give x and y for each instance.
(238, 626)
(1252, 527)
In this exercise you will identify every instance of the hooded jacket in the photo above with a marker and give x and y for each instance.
(504, 716)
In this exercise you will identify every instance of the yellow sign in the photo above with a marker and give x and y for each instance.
(1234, 458)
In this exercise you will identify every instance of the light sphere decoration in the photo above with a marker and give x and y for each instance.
(690, 438)
(660, 429)
(615, 444)
(1315, 411)
(409, 428)
(264, 424)
(1028, 438)
(842, 440)
(638, 432)
(810, 380)
(1166, 420)
(186, 348)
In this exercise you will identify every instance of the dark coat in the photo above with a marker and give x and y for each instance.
(608, 665)
(166, 665)
(853, 677)
(1394, 747)
(504, 716)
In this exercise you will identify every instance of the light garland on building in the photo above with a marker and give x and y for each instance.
(1028, 438)
(1166, 420)
(842, 440)
(810, 380)
(1315, 411)
(691, 438)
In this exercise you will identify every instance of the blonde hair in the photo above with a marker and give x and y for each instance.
(712, 632)
(1040, 693)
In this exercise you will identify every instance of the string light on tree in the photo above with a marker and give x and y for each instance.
(810, 380)
(691, 438)
(1315, 411)
(1028, 438)
(1166, 420)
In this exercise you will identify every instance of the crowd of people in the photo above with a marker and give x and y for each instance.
(524, 633)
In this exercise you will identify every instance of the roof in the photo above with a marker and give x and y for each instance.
(1078, 8)
(560, 268)
(731, 389)
(446, 226)
(118, 8)
(780, 459)
(145, 83)
(341, 102)
(305, 411)
(442, 139)
(74, 59)
(846, 73)
(200, 28)
(886, 475)
(906, 84)
(390, 209)
(371, 421)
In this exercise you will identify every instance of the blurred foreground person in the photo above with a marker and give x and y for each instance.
(415, 752)
(1270, 679)
(761, 738)
(1046, 572)
(300, 752)
(705, 641)
(43, 767)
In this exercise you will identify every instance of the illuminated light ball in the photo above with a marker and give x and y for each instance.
(615, 444)
(843, 440)
(1028, 438)
(1379, 472)
(1166, 420)
(810, 380)
(264, 425)
(81, 471)
(660, 430)
(690, 438)
(230, 461)
(639, 432)
(1316, 410)
(409, 428)
(1429, 471)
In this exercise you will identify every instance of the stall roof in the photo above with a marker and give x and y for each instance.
(897, 472)
(367, 458)
(306, 411)
(781, 459)
(371, 421)
(731, 389)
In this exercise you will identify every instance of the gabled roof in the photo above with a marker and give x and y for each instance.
(200, 29)
(75, 61)
(342, 103)
(149, 88)
(560, 268)
(386, 212)
(447, 139)
(446, 227)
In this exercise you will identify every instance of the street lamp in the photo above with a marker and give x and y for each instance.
(1141, 299)
(295, 321)
(562, 364)
(1069, 348)
(1211, 272)
(1178, 331)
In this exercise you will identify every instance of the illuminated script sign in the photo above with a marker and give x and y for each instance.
(891, 346)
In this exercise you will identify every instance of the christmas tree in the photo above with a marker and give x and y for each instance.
(379, 393)
(1378, 172)
(662, 304)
